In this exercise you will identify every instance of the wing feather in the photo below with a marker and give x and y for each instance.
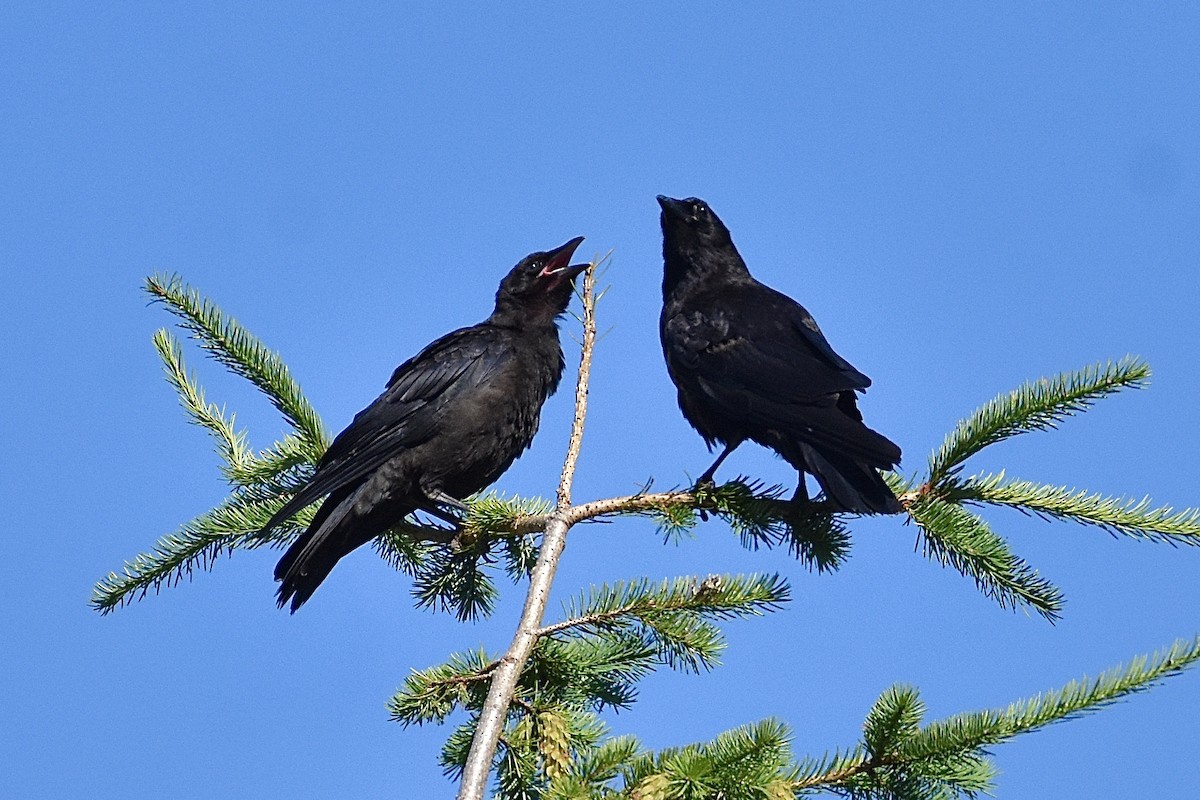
(406, 414)
(771, 369)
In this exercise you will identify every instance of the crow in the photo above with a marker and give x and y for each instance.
(452, 419)
(751, 363)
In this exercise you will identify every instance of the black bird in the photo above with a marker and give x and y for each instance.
(453, 418)
(751, 363)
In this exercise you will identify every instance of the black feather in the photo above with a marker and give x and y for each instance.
(751, 363)
(452, 419)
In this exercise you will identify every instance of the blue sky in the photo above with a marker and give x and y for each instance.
(966, 196)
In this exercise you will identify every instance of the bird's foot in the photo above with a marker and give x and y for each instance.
(703, 486)
(441, 498)
(435, 509)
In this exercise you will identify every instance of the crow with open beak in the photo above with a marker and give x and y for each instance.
(452, 419)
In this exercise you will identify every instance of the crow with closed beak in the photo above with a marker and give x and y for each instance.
(452, 419)
(751, 363)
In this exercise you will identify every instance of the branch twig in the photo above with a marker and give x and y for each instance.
(642, 502)
(504, 679)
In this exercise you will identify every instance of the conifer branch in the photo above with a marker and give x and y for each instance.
(1038, 405)
(671, 618)
(432, 694)
(948, 757)
(491, 515)
(716, 597)
(235, 523)
(1117, 515)
(760, 518)
(232, 345)
(590, 672)
(231, 443)
(592, 769)
(955, 537)
(406, 551)
(288, 463)
(898, 758)
(450, 577)
(532, 711)
(1082, 696)
(283, 468)
(751, 761)
(895, 717)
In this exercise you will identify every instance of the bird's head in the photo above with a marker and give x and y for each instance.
(695, 241)
(539, 287)
(692, 222)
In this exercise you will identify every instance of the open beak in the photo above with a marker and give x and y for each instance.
(558, 262)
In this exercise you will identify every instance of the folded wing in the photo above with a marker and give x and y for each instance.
(405, 415)
(761, 360)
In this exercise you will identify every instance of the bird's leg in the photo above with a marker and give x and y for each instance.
(707, 477)
(442, 514)
(438, 498)
(801, 495)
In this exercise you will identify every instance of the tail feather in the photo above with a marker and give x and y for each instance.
(335, 532)
(835, 427)
(300, 500)
(849, 485)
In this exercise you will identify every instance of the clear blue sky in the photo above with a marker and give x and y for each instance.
(966, 196)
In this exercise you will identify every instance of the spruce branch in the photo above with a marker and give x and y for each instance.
(520, 556)
(431, 695)
(955, 537)
(590, 771)
(452, 579)
(232, 345)
(504, 681)
(448, 563)
(454, 752)
(1038, 405)
(747, 763)
(1117, 515)
(235, 523)
(895, 717)
(671, 617)
(288, 463)
(490, 514)
(948, 758)
(1082, 696)
(231, 443)
(532, 711)
(403, 551)
(814, 772)
(720, 597)
(569, 680)
(757, 514)
(517, 763)
(538, 748)
(591, 673)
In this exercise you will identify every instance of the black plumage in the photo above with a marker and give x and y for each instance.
(751, 363)
(452, 419)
